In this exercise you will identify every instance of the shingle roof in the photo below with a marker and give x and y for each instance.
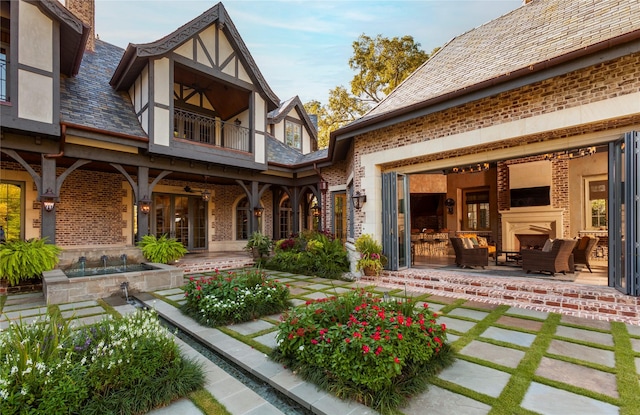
(528, 36)
(282, 154)
(88, 100)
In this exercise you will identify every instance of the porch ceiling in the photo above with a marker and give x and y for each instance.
(228, 100)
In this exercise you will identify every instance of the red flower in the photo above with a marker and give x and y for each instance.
(378, 350)
(444, 326)
(348, 340)
(314, 341)
(396, 360)
(399, 336)
(365, 349)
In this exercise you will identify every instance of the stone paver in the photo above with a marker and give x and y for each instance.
(432, 306)
(528, 313)
(455, 324)
(171, 291)
(317, 295)
(465, 312)
(638, 365)
(183, 407)
(585, 335)
(635, 344)
(81, 304)
(521, 323)
(577, 375)
(496, 354)
(268, 339)
(547, 400)
(633, 330)
(509, 336)
(81, 312)
(251, 327)
(586, 353)
(176, 297)
(438, 401)
(318, 287)
(476, 377)
(297, 291)
(586, 322)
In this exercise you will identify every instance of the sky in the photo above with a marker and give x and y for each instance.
(303, 47)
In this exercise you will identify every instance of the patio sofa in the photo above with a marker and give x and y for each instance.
(469, 256)
(556, 258)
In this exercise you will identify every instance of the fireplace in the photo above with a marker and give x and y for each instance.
(537, 223)
(530, 241)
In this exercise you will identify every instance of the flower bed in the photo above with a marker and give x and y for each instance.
(234, 297)
(128, 365)
(363, 348)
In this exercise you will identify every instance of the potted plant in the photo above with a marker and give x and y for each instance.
(371, 259)
(162, 250)
(259, 245)
(24, 260)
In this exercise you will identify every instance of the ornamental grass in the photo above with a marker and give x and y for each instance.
(127, 365)
(222, 298)
(360, 347)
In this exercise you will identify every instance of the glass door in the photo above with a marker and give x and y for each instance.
(182, 218)
(624, 229)
(340, 216)
(11, 212)
(396, 241)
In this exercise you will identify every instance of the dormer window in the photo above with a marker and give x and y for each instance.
(293, 134)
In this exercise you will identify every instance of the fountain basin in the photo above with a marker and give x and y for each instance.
(58, 288)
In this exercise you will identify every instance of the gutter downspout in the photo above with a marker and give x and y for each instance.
(63, 139)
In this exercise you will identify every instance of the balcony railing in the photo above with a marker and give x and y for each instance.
(208, 130)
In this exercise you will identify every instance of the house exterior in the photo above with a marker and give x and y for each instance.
(523, 128)
(181, 136)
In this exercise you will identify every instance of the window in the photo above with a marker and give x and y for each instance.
(293, 134)
(596, 206)
(242, 219)
(340, 216)
(477, 207)
(285, 218)
(11, 210)
(4, 57)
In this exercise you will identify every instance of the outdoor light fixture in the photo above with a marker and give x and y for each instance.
(48, 199)
(324, 186)
(571, 154)
(237, 122)
(358, 200)
(206, 195)
(315, 211)
(257, 211)
(144, 205)
(450, 203)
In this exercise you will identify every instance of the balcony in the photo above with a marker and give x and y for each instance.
(212, 131)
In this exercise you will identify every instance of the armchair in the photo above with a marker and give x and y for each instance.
(557, 259)
(469, 257)
(584, 248)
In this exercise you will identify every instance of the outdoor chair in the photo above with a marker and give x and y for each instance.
(557, 259)
(469, 257)
(584, 248)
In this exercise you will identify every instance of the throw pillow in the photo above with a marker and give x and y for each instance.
(474, 241)
(466, 242)
(584, 241)
(547, 245)
(482, 241)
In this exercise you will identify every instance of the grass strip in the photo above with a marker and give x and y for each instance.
(207, 403)
(628, 386)
(509, 400)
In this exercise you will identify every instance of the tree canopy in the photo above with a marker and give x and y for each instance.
(381, 64)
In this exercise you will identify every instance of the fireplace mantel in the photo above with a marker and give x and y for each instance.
(534, 220)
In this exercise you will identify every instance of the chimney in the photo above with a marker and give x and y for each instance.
(85, 10)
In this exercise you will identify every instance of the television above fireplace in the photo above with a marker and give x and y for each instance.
(531, 196)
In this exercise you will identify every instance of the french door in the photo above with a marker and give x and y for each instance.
(624, 229)
(181, 217)
(396, 240)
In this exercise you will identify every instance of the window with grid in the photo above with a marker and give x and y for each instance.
(596, 206)
(477, 209)
(285, 218)
(293, 134)
(242, 219)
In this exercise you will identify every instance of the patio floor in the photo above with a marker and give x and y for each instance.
(550, 363)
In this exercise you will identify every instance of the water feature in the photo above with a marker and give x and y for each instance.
(267, 392)
(106, 265)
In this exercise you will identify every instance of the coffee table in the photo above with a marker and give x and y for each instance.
(510, 258)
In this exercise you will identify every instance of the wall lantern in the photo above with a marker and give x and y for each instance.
(315, 211)
(237, 122)
(324, 186)
(206, 195)
(144, 205)
(257, 211)
(48, 199)
(450, 203)
(358, 200)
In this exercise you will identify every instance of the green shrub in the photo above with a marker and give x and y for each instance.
(128, 365)
(310, 253)
(163, 250)
(226, 298)
(360, 347)
(259, 244)
(23, 260)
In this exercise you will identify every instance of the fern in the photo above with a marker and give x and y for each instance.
(162, 250)
(23, 260)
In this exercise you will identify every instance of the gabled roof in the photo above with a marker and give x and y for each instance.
(88, 100)
(136, 56)
(286, 107)
(535, 36)
(73, 34)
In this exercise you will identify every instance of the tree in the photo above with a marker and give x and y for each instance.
(381, 65)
